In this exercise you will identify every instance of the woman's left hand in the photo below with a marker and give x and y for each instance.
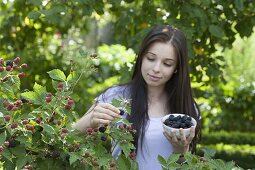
(180, 144)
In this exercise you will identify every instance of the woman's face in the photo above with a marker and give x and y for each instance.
(158, 64)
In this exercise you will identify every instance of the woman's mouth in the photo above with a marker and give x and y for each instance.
(154, 78)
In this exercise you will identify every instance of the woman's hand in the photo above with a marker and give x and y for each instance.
(181, 144)
(103, 113)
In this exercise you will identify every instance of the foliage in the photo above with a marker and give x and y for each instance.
(44, 137)
(228, 137)
(195, 162)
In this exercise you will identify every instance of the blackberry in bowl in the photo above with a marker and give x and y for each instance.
(175, 121)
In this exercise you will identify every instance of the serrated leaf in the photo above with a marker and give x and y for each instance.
(34, 15)
(73, 158)
(72, 76)
(33, 96)
(162, 161)
(122, 162)
(21, 161)
(216, 31)
(39, 89)
(49, 129)
(57, 74)
(7, 154)
(2, 137)
(173, 158)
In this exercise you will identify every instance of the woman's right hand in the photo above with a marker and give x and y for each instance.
(102, 114)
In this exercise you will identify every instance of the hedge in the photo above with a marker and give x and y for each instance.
(228, 138)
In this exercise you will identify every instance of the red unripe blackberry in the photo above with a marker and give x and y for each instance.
(29, 167)
(23, 65)
(14, 125)
(30, 127)
(68, 107)
(10, 106)
(89, 130)
(38, 120)
(95, 163)
(8, 68)
(1, 68)
(48, 99)
(18, 102)
(1, 148)
(7, 118)
(70, 102)
(60, 86)
(64, 130)
(21, 75)
(16, 60)
(24, 122)
(15, 67)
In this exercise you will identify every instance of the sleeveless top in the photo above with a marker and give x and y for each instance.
(154, 143)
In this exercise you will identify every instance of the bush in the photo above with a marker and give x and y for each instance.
(228, 138)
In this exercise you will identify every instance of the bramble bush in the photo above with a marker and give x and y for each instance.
(36, 126)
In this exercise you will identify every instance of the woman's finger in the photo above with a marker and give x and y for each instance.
(101, 121)
(192, 134)
(109, 109)
(182, 136)
(173, 136)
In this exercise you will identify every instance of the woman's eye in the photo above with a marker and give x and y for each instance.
(150, 59)
(168, 65)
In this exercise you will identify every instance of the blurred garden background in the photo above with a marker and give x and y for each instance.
(47, 34)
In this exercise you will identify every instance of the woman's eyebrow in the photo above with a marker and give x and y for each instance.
(156, 55)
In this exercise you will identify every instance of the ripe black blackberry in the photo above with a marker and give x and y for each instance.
(122, 112)
(102, 129)
(9, 63)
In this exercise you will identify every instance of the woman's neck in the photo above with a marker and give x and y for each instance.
(156, 94)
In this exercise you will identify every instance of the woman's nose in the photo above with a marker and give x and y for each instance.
(156, 67)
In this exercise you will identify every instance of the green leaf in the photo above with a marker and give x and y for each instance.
(34, 15)
(72, 76)
(49, 129)
(173, 158)
(39, 89)
(35, 2)
(239, 4)
(2, 137)
(7, 154)
(162, 161)
(73, 157)
(33, 96)
(21, 161)
(57, 74)
(216, 31)
(123, 162)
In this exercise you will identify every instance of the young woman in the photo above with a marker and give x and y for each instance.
(160, 85)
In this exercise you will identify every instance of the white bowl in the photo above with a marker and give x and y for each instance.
(169, 129)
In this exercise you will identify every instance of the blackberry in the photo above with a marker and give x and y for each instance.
(55, 154)
(9, 63)
(13, 143)
(179, 121)
(122, 112)
(103, 138)
(102, 129)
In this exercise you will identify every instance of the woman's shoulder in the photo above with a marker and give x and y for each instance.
(114, 92)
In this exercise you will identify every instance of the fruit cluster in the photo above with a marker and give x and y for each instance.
(11, 65)
(178, 121)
